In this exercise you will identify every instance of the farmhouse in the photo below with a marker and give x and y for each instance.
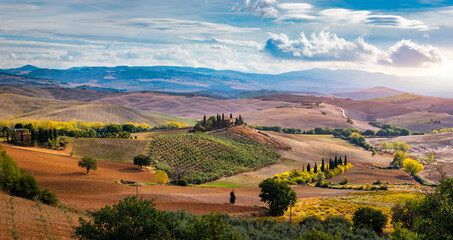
(22, 134)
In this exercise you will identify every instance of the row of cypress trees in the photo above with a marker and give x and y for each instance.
(332, 164)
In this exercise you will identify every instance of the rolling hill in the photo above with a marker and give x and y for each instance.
(368, 93)
(16, 107)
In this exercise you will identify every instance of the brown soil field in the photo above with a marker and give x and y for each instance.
(27, 219)
(92, 191)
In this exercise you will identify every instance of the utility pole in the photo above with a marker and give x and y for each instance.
(136, 187)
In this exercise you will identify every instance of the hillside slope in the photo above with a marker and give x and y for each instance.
(368, 93)
(16, 107)
(200, 158)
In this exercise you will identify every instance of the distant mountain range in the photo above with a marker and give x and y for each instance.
(221, 83)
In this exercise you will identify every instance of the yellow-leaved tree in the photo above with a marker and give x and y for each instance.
(412, 166)
(160, 177)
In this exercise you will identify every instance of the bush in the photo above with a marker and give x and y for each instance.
(278, 195)
(48, 197)
(367, 217)
(345, 181)
(161, 177)
(183, 182)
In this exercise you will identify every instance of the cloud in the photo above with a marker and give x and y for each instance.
(18, 7)
(322, 47)
(377, 20)
(406, 53)
(240, 43)
(262, 8)
(296, 11)
(329, 47)
(128, 54)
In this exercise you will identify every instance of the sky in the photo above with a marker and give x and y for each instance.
(404, 38)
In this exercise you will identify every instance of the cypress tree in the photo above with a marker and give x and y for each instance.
(322, 166)
(231, 116)
(21, 136)
(330, 164)
(340, 162)
(55, 135)
(204, 121)
(315, 170)
(308, 167)
(345, 160)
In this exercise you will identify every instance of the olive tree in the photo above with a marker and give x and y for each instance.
(142, 160)
(88, 163)
(278, 195)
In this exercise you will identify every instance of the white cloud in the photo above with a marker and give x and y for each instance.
(322, 47)
(406, 53)
(377, 20)
(329, 47)
(262, 8)
(296, 11)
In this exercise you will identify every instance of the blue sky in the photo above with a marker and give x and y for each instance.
(264, 36)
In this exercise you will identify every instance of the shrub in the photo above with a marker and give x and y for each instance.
(161, 177)
(88, 163)
(345, 181)
(183, 182)
(48, 197)
(278, 195)
(403, 214)
(367, 217)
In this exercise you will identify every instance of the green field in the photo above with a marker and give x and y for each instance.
(205, 157)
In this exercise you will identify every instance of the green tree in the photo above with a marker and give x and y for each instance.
(232, 197)
(88, 163)
(322, 166)
(278, 195)
(128, 219)
(412, 166)
(435, 213)
(371, 218)
(308, 167)
(142, 160)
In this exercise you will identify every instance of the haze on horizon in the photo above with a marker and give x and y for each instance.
(262, 36)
